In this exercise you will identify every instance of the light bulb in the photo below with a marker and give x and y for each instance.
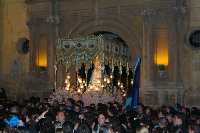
(67, 88)
(79, 80)
(68, 77)
(131, 81)
(111, 76)
(104, 79)
(79, 90)
(68, 85)
(108, 81)
(118, 83)
(121, 86)
(66, 81)
(124, 95)
(81, 86)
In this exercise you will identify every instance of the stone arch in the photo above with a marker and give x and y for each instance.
(110, 25)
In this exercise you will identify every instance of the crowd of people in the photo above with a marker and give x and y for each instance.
(39, 116)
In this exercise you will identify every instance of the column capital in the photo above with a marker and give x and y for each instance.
(148, 12)
(53, 20)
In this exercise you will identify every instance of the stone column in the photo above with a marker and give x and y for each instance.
(180, 42)
(53, 37)
(147, 45)
(33, 32)
(147, 56)
(1, 34)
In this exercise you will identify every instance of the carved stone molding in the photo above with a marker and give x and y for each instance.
(148, 12)
(53, 20)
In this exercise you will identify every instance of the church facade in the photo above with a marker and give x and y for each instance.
(156, 30)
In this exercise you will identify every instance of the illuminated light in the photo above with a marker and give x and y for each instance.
(68, 77)
(98, 81)
(42, 62)
(67, 89)
(104, 79)
(124, 95)
(102, 86)
(41, 58)
(79, 80)
(79, 91)
(121, 86)
(66, 81)
(118, 83)
(97, 89)
(68, 85)
(131, 81)
(82, 86)
(161, 56)
(108, 81)
(111, 76)
(83, 81)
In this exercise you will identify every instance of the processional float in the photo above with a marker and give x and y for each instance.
(94, 59)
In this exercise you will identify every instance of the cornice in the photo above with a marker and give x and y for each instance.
(36, 1)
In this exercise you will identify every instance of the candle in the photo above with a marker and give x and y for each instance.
(55, 76)
(112, 65)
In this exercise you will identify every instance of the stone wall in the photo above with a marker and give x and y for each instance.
(13, 18)
(195, 54)
(191, 58)
(133, 20)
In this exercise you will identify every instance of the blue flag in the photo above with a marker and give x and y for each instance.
(133, 100)
(136, 84)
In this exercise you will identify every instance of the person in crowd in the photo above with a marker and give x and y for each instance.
(35, 115)
(60, 120)
(3, 95)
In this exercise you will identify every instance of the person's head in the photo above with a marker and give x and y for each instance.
(140, 108)
(116, 126)
(142, 130)
(177, 120)
(69, 102)
(77, 108)
(160, 114)
(193, 129)
(67, 127)
(105, 129)
(1, 90)
(46, 125)
(169, 118)
(59, 130)
(163, 122)
(80, 103)
(167, 110)
(101, 119)
(60, 116)
(83, 128)
(148, 111)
